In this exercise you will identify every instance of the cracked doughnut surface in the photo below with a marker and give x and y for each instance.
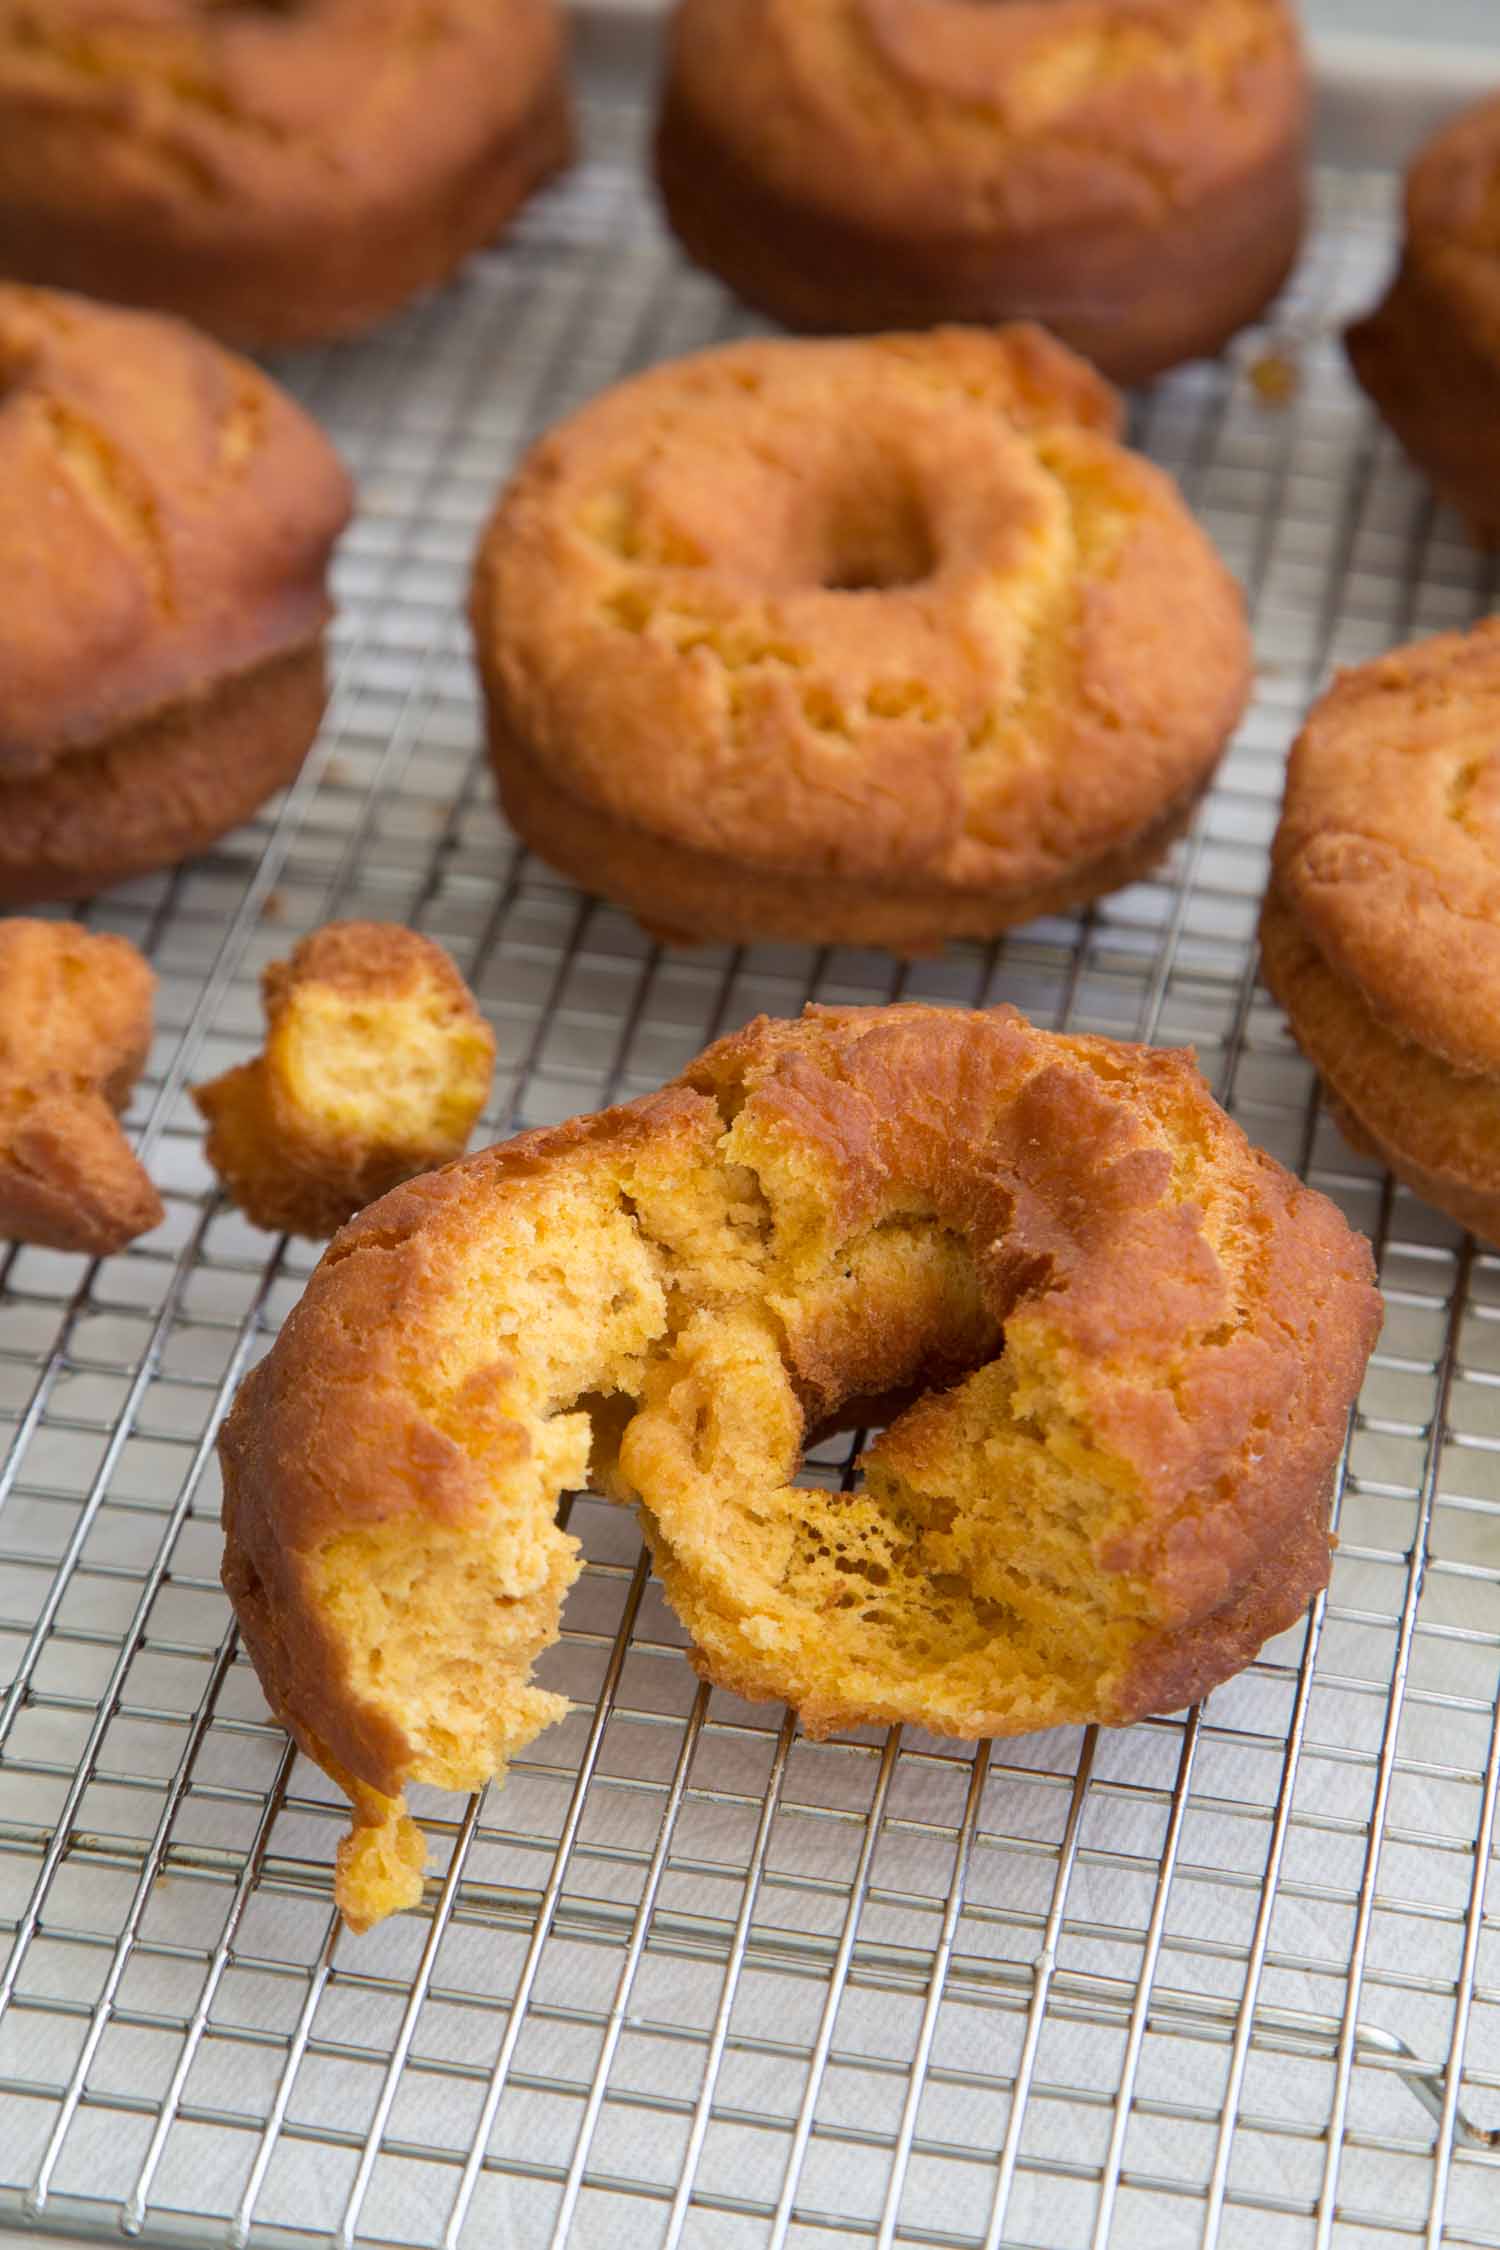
(1429, 353)
(1381, 932)
(1128, 171)
(75, 1029)
(1110, 1497)
(166, 518)
(278, 171)
(884, 641)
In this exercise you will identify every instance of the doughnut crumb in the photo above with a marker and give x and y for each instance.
(75, 1027)
(376, 1066)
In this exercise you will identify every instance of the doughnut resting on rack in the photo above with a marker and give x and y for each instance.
(880, 642)
(1140, 1339)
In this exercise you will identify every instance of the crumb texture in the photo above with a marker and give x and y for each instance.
(1109, 1496)
(376, 1066)
(75, 1027)
(818, 631)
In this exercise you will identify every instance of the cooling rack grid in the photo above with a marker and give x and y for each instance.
(690, 1979)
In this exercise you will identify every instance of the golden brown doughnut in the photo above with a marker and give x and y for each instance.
(75, 1029)
(1381, 931)
(664, 1299)
(880, 642)
(166, 520)
(1429, 354)
(376, 1066)
(1129, 172)
(278, 173)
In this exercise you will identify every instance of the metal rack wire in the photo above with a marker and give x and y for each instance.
(690, 1979)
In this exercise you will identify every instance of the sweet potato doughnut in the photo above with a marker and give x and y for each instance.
(1130, 172)
(1381, 931)
(166, 520)
(663, 1299)
(75, 1030)
(882, 642)
(376, 1065)
(278, 171)
(1429, 354)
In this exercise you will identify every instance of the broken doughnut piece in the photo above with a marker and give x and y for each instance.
(376, 1066)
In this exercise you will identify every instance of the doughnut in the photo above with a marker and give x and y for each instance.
(376, 1066)
(1429, 354)
(75, 1029)
(1129, 172)
(883, 641)
(1381, 929)
(277, 171)
(1141, 1340)
(166, 520)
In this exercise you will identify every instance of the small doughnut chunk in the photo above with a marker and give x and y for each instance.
(1381, 930)
(376, 1066)
(1144, 1339)
(75, 1030)
(879, 642)
(1130, 172)
(278, 171)
(1429, 355)
(166, 520)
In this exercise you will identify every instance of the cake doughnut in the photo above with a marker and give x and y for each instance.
(1429, 354)
(881, 642)
(277, 173)
(1143, 1339)
(75, 1030)
(166, 520)
(1129, 172)
(376, 1066)
(1381, 930)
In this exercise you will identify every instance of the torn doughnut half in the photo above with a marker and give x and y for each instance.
(1140, 1340)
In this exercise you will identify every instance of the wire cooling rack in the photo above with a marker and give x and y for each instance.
(690, 1979)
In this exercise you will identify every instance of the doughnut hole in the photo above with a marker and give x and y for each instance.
(880, 537)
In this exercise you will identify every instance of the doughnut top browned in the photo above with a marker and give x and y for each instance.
(896, 609)
(1388, 852)
(1018, 116)
(277, 169)
(166, 518)
(1104, 1520)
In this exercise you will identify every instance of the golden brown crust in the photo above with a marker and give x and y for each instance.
(1429, 354)
(75, 1027)
(276, 174)
(891, 629)
(864, 1196)
(1436, 1128)
(1128, 171)
(1388, 851)
(166, 518)
(163, 788)
(326, 1119)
